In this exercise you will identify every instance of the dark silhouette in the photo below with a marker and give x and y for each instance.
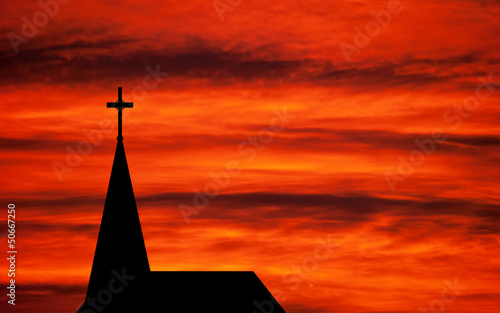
(121, 280)
(120, 105)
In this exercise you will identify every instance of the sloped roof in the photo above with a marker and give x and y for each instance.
(196, 292)
(120, 242)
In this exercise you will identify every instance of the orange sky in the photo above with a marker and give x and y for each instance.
(345, 167)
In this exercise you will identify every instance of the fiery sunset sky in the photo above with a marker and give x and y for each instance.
(387, 148)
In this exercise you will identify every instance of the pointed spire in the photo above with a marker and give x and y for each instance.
(120, 243)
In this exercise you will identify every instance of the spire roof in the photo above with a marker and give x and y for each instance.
(120, 243)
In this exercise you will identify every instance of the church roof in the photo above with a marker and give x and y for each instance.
(192, 292)
(120, 242)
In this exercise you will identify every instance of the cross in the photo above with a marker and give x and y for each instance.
(120, 105)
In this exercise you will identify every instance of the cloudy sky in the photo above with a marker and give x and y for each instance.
(370, 127)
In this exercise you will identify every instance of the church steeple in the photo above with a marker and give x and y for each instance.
(120, 245)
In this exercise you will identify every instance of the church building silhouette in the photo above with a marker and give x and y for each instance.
(121, 280)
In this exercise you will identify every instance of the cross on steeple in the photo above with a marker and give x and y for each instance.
(120, 105)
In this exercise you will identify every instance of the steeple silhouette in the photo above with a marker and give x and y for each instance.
(120, 242)
(121, 280)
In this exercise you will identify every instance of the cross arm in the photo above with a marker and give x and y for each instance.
(120, 104)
